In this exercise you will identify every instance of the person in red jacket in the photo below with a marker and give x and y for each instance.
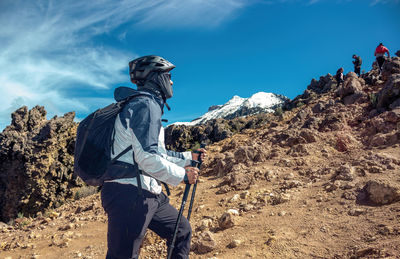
(380, 55)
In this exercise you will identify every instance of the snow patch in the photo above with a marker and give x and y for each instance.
(260, 100)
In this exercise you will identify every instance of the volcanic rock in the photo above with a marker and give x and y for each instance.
(36, 162)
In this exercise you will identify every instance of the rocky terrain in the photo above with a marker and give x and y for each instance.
(319, 179)
(36, 162)
(183, 137)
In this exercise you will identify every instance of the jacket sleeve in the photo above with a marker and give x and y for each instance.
(145, 124)
(179, 158)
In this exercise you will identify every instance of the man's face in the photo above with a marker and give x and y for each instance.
(169, 75)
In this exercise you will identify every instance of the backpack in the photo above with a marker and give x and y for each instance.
(94, 144)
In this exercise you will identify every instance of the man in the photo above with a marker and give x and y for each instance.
(133, 206)
(339, 76)
(357, 64)
(380, 55)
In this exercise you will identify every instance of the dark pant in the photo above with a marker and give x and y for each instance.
(129, 215)
(380, 61)
(357, 70)
(339, 80)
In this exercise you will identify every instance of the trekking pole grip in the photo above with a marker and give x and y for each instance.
(198, 165)
(199, 160)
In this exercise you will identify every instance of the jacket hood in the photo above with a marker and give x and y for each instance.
(123, 92)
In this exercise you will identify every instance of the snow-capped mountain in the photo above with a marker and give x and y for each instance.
(238, 106)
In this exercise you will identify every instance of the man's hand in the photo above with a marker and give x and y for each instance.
(202, 152)
(192, 174)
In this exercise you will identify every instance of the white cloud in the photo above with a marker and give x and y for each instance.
(375, 2)
(191, 13)
(49, 46)
(311, 2)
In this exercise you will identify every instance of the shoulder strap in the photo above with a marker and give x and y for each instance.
(121, 154)
(138, 179)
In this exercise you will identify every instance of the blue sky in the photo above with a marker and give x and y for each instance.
(71, 55)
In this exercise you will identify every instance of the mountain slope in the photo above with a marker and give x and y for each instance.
(238, 106)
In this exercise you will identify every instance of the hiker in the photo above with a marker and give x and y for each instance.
(339, 76)
(380, 55)
(357, 64)
(133, 206)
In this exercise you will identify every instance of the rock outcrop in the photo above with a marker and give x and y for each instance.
(36, 162)
(352, 89)
(182, 137)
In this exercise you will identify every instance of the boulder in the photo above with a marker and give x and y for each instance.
(344, 173)
(244, 154)
(382, 192)
(239, 179)
(228, 219)
(352, 86)
(205, 243)
(234, 243)
(391, 67)
(390, 93)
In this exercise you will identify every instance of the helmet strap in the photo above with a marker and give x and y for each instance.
(166, 104)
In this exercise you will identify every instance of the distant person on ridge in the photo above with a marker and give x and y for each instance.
(380, 55)
(357, 64)
(339, 76)
(134, 205)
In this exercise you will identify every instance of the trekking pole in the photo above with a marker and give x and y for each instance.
(178, 220)
(198, 164)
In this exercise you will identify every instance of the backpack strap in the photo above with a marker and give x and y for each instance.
(166, 188)
(139, 172)
(135, 165)
(138, 180)
(121, 154)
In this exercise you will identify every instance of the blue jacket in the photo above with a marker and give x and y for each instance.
(139, 125)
